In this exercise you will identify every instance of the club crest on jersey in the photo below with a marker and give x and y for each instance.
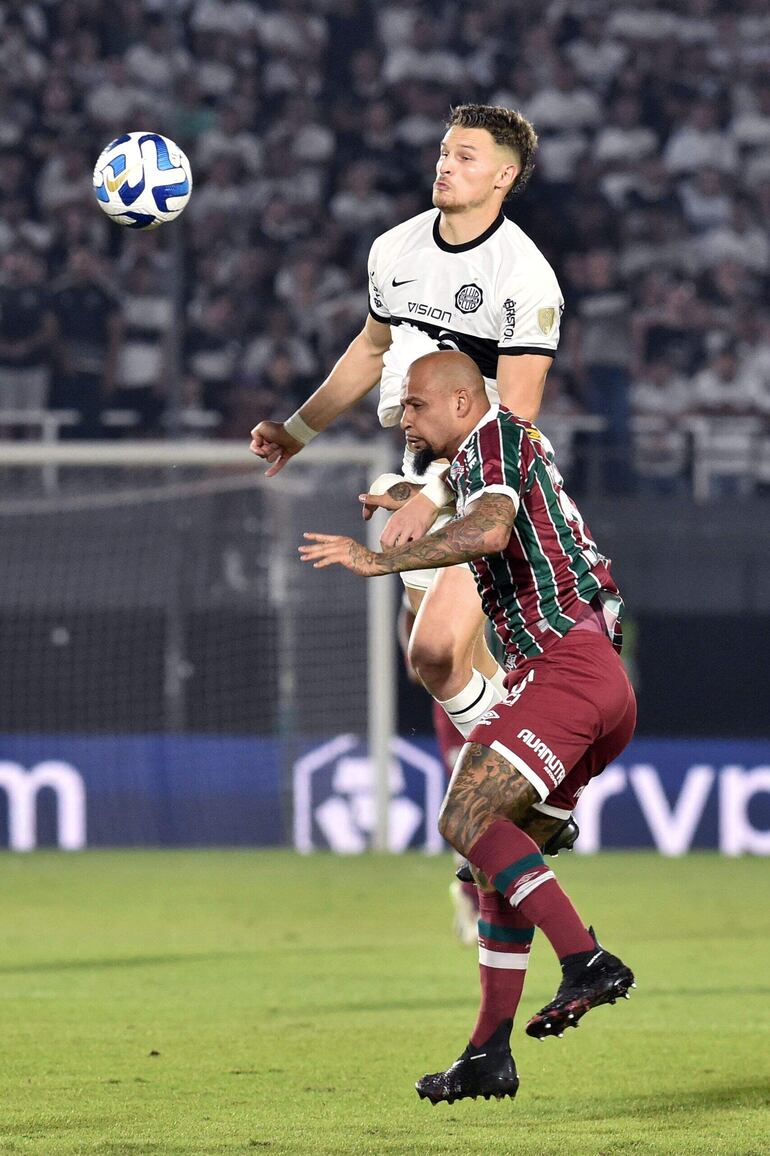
(468, 298)
(545, 319)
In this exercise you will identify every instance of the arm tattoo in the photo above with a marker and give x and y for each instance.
(402, 491)
(461, 540)
(484, 787)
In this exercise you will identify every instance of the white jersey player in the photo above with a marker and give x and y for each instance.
(463, 278)
(495, 296)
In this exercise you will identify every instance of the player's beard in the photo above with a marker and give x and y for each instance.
(422, 460)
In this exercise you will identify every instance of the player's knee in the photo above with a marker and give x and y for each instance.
(432, 658)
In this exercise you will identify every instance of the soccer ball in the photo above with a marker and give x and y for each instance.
(142, 179)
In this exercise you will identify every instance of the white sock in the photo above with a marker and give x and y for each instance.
(498, 682)
(474, 700)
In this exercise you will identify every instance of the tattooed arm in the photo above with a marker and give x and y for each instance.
(486, 529)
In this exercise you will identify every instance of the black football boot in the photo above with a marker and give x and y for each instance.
(486, 1070)
(591, 979)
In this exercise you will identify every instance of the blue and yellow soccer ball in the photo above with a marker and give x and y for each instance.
(142, 179)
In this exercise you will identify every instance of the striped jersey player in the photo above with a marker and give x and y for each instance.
(550, 573)
(568, 712)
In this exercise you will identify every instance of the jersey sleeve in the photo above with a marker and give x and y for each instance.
(377, 306)
(530, 311)
(501, 467)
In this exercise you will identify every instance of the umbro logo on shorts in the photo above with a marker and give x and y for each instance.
(515, 693)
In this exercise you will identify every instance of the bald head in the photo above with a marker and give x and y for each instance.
(445, 371)
(444, 397)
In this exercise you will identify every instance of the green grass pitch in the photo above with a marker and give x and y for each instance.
(239, 1002)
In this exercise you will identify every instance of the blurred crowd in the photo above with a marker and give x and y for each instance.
(313, 125)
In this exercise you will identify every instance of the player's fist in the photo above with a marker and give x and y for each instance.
(269, 440)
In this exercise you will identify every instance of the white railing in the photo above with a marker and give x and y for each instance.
(377, 456)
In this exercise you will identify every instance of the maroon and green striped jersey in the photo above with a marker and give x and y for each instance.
(541, 585)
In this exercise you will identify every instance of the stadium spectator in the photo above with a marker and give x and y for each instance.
(725, 387)
(671, 322)
(424, 57)
(232, 135)
(750, 127)
(89, 341)
(624, 140)
(596, 57)
(565, 105)
(27, 330)
(660, 399)
(700, 141)
(706, 201)
(212, 351)
(278, 335)
(358, 206)
(65, 179)
(238, 18)
(19, 229)
(728, 399)
(304, 285)
(741, 238)
(599, 337)
(143, 363)
(116, 98)
(156, 59)
(559, 418)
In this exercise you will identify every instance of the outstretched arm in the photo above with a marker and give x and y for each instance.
(357, 371)
(486, 529)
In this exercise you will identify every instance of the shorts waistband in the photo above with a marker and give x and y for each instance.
(593, 618)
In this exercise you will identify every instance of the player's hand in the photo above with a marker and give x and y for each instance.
(329, 549)
(411, 521)
(393, 498)
(269, 440)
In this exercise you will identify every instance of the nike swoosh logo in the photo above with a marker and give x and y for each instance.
(396, 283)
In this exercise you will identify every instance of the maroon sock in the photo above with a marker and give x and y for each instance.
(514, 866)
(471, 891)
(505, 938)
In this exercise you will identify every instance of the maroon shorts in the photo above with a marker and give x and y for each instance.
(568, 714)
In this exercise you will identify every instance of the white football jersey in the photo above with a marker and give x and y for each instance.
(494, 296)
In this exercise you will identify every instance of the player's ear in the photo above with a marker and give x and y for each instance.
(508, 175)
(462, 402)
